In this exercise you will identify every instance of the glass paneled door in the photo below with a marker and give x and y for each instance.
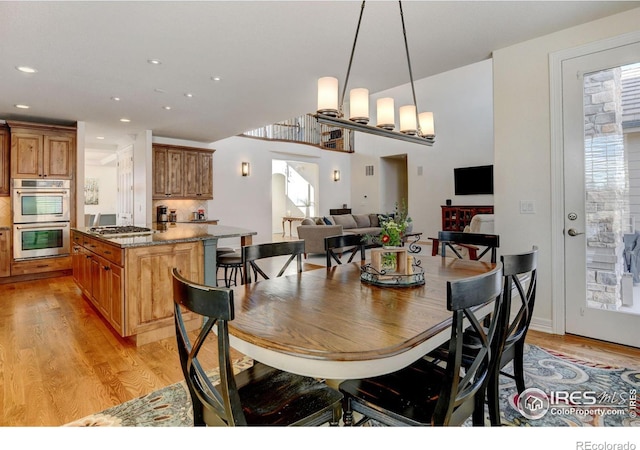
(601, 117)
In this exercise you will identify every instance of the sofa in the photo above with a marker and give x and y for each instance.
(313, 230)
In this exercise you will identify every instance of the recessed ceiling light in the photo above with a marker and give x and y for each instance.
(216, 78)
(188, 95)
(100, 137)
(166, 107)
(160, 91)
(26, 69)
(115, 99)
(155, 62)
(125, 120)
(22, 106)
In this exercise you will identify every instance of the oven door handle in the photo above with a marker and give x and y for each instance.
(30, 227)
(42, 192)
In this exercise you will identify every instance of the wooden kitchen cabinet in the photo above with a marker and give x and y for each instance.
(167, 168)
(5, 253)
(97, 272)
(39, 150)
(182, 172)
(4, 161)
(198, 175)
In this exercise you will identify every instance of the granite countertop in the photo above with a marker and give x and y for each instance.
(170, 234)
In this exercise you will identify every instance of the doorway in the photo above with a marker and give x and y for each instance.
(394, 182)
(294, 188)
(601, 129)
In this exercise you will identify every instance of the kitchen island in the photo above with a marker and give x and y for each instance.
(128, 278)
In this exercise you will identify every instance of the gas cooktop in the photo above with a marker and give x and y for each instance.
(117, 231)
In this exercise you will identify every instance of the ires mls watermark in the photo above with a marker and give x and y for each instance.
(590, 445)
(534, 403)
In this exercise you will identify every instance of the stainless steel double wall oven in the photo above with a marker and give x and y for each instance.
(41, 215)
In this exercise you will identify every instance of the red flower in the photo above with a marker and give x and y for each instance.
(385, 238)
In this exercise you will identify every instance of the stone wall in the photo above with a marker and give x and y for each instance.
(605, 187)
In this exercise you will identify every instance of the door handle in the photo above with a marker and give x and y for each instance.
(572, 232)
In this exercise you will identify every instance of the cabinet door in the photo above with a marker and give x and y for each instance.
(57, 156)
(4, 161)
(26, 155)
(160, 169)
(191, 174)
(5, 253)
(174, 173)
(76, 263)
(206, 175)
(116, 297)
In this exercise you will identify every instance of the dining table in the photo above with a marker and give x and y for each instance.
(327, 323)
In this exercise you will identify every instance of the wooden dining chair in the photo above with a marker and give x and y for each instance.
(519, 292)
(260, 395)
(471, 242)
(252, 253)
(425, 393)
(335, 246)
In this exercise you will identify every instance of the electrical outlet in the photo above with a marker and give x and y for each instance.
(527, 207)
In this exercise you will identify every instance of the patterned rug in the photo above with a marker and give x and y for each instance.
(578, 393)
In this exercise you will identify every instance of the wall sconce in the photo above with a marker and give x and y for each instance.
(245, 169)
(336, 175)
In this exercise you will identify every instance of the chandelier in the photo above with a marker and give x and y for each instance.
(414, 127)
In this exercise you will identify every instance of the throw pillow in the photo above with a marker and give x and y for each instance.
(327, 221)
(362, 220)
(308, 221)
(373, 219)
(320, 221)
(346, 220)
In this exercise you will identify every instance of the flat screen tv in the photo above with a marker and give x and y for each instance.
(473, 180)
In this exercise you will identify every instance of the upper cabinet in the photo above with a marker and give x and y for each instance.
(4, 161)
(39, 151)
(182, 172)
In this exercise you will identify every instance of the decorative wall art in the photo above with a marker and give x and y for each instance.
(91, 193)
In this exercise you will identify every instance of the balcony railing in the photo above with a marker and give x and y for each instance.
(306, 130)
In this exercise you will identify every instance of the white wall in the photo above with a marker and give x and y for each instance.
(522, 168)
(462, 103)
(246, 201)
(107, 189)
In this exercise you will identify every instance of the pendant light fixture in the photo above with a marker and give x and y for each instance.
(414, 126)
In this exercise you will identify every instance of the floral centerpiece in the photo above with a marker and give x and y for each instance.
(394, 226)
(393, 229)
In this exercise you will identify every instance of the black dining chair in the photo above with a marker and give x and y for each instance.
(252, 253)
(336, 246)
(426, 393)
(471, 242)
(260, 395)
(519, 293)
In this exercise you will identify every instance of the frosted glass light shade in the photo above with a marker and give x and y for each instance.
(328, 96)
(427, 127)
(408, 120)
(386, 118)
(359, 105)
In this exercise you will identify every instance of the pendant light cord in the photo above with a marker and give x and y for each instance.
(353, 50)
(406, 47)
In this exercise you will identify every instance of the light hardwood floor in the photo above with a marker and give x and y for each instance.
(59, 361)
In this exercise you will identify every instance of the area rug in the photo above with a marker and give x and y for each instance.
(570, 386)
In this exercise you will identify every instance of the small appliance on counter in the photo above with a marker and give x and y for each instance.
(173, 217)
(201, 215)
(161, 214)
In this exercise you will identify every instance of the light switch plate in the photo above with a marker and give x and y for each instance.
(527, 207)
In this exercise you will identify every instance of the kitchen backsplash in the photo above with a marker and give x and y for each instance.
(5, 211)
(184, 208)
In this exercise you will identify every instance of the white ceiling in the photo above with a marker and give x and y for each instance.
(269, 55)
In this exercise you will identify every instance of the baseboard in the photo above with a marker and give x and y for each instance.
(542, 325)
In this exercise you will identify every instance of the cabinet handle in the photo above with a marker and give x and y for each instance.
(88, 256)
(41, 266)
(107, 252)
(106, 268)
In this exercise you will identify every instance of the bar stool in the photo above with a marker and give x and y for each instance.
(230, 261)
